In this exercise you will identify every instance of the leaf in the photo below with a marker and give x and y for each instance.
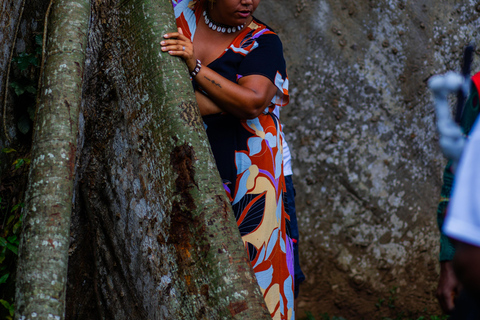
(10, 219)
(8, 150)
(34, 61)
(309, 315)
(23, 61)
(18, 163)
(31, 112)
(4, 278)
(2, 255)
(21, 204)
(5, 304)
(3, 242)
(16, 226)
(23, 124)
(39, 40)
(12, 248)
(15, 241)
(12, 244)
(31, 89)
(11, 310)
(19, 89)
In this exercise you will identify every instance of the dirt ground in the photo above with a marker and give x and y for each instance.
(328, 292)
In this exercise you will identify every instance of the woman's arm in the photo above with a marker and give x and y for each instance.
(245, 100)
(206, 105)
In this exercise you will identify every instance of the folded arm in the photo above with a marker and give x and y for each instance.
(246, 99)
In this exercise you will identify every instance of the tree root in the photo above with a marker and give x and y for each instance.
(8, 72)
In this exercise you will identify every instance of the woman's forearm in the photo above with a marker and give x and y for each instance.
(245, 100)
(206, 105)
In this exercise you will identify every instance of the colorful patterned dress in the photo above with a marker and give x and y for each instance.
(249, 157)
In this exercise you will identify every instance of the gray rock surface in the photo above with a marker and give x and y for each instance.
(367, 166)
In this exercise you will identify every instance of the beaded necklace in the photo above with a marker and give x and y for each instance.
(215, 26)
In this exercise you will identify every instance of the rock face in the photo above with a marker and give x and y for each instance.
(361, 125)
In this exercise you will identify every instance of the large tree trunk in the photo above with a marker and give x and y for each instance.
(154, 236)
(43, 258)
(164, 240)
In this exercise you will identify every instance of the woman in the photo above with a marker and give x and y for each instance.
(237, 66)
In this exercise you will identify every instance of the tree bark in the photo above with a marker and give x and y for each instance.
(11, 15)
(43, 257)
(151, 212)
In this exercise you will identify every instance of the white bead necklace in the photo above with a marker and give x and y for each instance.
(223, 28)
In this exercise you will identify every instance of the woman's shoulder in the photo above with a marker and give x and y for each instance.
(260, 28)
(261, 24)
(257, 34)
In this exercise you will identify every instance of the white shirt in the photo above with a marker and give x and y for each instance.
(463, 216)
(287, 157)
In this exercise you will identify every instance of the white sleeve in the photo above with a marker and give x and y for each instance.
(463, 215)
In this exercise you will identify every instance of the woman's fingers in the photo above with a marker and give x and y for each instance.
(176, 35)
(177, 44)
(177, 47)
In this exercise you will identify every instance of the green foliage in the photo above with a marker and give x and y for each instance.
(26, 85)
(21, 88)
(39, 43)
(10, 307)
(20, 162)
(4, 278)
(325, 316)
(24, 60)
(392, 297)
(379, 303)
(10, 227)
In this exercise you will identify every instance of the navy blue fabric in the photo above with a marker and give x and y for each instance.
(291, 211)
(266, 59)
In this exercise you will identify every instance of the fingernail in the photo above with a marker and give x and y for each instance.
(162, 43)
(163, 48)
(165, 35)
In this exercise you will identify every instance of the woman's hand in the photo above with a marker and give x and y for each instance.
(179, 45)
(448, 287)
